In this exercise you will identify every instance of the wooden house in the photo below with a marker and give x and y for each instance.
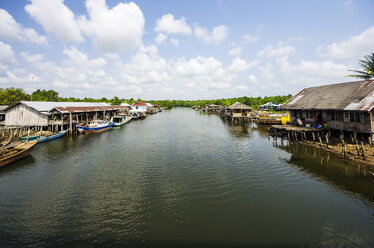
(238, 112)
(344, 106)
(212, 107)
(29, 113)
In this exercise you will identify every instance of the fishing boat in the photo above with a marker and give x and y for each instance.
(120, 120)
(95, 127)
(43, 138)
(142, 116)
(16, 151)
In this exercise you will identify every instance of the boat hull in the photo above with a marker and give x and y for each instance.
(16, 154)
(52, 137)
(88, 130)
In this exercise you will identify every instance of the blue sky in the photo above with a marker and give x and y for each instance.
(181, 49)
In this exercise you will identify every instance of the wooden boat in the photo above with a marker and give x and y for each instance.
(120, 120)
(45, 137)
(95, 127)
(142, 116)
(16, 151)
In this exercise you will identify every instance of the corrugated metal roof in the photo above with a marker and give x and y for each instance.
(86, 109)
(239, 105)
(46, 106)
(344, 96)
(125, 104)
(148, 104)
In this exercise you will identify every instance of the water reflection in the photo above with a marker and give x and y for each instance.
(334, 171)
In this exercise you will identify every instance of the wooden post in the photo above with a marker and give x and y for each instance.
(304, 135)
(370, 141)
(288, 134)
(344, 149)
(314, 137)
(320, 141)
(362, 150)
(71, 125)
(76, 129)
(327, 140)
(358, 150)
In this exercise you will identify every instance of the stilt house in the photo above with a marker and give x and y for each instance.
(344, 106)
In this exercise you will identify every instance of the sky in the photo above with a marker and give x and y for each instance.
(169, 49)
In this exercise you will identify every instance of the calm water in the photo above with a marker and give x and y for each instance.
(183, 177)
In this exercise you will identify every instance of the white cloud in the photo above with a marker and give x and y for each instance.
(10, 30)
(218, 34)
(235, 51)
(242, 87)
(112, 30)
(239, 65)
(160, 38)
(269, 51)
(174, 41)
(354, 47)
(251, 39)
(6, 54)
(312, 73)
(145, 67)
(55, 18)
(253, 79)
(169, 25)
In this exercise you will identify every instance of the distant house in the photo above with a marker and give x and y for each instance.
(139, 107)
(238, 110)
(344, 106)
(150, 107)
(270, 106)
(127, 107)
(212, 107)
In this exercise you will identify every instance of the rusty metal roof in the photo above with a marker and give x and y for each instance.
(65, 110)
(357, 96)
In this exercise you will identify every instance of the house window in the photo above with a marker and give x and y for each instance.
(308, 114)
(329, 114)
(303, 113)
(346, 117)
(362, 118)
(357, 117)
(136, 107)
(333, 116)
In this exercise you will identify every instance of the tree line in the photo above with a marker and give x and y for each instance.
(10, 96)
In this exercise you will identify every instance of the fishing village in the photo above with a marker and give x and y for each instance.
(342, 123)
(165, 123)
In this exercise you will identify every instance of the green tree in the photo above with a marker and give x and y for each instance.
(367, 65)
(10, 96)
(115, 101)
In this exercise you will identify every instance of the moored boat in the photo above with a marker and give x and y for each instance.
(43, 138)
(120, 120)
(95, 127)
(16, 151)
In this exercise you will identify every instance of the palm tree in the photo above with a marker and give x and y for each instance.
(368, 68)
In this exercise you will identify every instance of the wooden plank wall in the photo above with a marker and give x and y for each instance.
(22, 115)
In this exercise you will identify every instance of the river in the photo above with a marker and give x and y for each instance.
(183, 177)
